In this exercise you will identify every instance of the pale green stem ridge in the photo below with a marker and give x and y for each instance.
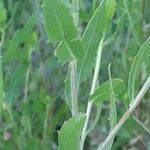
(74, 90)
(94, 83)
(73, 64)
(113, 112)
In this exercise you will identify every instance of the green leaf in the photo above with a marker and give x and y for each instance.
(138, 60)
(103, 92)
(93, 34)
(67, 49)
(19, 38)
(2, 15)
(58, 21)
(14, 87)
(63, 53)
(69, 135)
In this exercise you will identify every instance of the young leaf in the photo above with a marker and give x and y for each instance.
(19, 38)
(93, 34)
(58, 21)
(69, 135)
(138, 60)
(14, 87)
(103, 92)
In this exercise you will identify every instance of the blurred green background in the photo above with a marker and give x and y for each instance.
(34, 107)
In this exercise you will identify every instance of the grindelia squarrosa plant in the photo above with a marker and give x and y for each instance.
(82, 50)
(103, 46)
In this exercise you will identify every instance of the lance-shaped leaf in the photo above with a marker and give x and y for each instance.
(19, 38)
(58, 21)
(69, 135)
(70, 49)
(94, 33)
(138, 60)
(62, 53)
(103, 92)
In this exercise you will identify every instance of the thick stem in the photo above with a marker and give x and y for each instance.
(73, 64)
(74, 90)
(126, 115)
(89, 107)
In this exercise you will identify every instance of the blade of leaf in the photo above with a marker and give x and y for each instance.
(138, 60)
(58, 21)
(69, 135)
(74, 48)
(103, 92)
(62, 53)
(94, 33)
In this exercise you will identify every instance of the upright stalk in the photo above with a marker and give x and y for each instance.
(74, 90)
(90, 103)
(73, 64)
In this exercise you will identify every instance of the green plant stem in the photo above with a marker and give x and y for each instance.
(98, 113)
(113, 111)
(73, 64)
(74, 90)
(126, 115)
(90, 103)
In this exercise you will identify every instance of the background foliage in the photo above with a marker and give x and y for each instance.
(33, 107)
